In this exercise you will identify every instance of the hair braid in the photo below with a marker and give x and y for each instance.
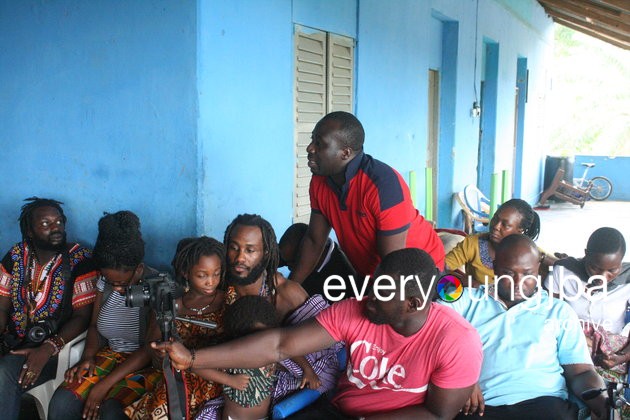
(190, 250)
(119, 245)
(530, 221)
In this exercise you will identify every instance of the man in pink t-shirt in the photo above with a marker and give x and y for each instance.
(408, 357)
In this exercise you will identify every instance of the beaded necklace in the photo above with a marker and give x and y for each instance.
(199, 311)
(35, 282)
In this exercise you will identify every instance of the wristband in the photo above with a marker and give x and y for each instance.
(56, 342)
(192, 361)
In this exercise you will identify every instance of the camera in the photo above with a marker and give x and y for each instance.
(35, 335)
(42, 330)
(158, 293)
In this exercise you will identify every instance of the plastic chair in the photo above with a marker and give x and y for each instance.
(68, 356)
(300, 399)
(475, 207)
(478, 203)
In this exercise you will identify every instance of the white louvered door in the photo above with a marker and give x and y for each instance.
(324, 67)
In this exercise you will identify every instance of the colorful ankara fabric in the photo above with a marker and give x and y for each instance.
(258, 389)
(324, 362)
(20, 265)
(132, 387)
(154, 405)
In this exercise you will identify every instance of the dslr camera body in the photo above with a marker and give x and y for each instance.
(41, 330)
(35, 335)
(158, 293)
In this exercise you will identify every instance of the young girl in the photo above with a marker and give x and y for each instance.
(198, 266)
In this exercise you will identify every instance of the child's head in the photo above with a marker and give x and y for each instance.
(249, 314)
(604, 253)
(198, 263)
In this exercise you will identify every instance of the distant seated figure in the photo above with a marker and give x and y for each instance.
(533, 348)
(598, 288)
(477, 252)
(333, 260)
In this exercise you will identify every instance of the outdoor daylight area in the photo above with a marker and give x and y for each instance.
(314, 209)
(589, 122)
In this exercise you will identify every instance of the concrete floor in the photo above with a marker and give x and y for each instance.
(566, 227)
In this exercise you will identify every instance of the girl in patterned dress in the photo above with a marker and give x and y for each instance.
(198, 265)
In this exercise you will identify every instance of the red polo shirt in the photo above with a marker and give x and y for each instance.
(375, 200)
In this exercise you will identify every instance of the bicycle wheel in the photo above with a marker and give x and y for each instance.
(601, 189)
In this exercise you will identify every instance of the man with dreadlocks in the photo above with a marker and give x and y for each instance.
(46, 296)
(252, 263)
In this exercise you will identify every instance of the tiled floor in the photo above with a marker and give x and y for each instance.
(566, 227)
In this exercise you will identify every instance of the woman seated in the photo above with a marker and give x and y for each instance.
(114, 368)
(199, 267)
(476, 252)
(598, 288)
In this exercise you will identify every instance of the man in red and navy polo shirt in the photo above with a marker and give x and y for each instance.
(365, 201)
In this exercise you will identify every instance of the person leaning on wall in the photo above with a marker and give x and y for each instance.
(46, 296)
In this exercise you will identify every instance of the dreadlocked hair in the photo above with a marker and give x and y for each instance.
(249, 314)
(26, 214)
(119, 245)
(270, 246)
(530, 222)
(190, 250)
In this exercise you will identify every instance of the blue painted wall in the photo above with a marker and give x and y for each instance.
(183, 111)
(613, 168)
(98, 110)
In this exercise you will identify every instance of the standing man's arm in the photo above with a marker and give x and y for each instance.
(312, 246)
(271, 345)
(441, 403)
(582, 377)
(388, 243)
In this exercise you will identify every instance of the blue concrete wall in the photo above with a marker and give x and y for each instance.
(98, 110)
(614, 168)
(522, 29)
(246, 105)
(183, 111)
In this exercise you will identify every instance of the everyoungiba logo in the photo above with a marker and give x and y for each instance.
(450, 288)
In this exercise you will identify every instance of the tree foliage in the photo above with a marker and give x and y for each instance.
(590, 96)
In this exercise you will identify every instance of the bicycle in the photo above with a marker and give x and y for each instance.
(600, 186)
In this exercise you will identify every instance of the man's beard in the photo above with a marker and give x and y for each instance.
(253, 275)
(47, 245)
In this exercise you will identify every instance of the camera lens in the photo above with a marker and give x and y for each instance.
(37, 334)
(137, 296)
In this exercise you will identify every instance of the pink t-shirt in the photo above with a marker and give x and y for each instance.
(387, 371)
